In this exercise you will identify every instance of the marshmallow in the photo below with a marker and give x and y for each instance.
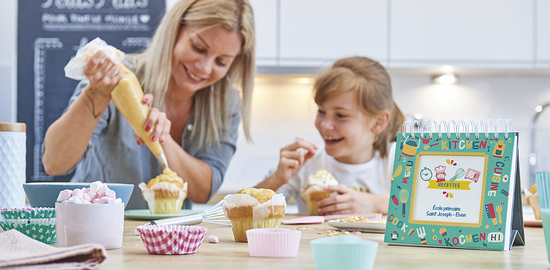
(213, 239)
(97, 193)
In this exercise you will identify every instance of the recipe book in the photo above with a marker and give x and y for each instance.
(456, 187)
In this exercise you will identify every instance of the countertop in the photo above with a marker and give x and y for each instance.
(228, 254)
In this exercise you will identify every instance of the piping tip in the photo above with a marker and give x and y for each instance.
(162, 159)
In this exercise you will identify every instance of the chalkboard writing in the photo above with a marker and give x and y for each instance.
(49, 34)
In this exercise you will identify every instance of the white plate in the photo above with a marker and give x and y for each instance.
(373, 226)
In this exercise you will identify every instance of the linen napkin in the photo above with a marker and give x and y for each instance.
(18, 251)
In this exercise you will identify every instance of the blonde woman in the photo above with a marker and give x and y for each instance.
(201, 49)
(358, 120)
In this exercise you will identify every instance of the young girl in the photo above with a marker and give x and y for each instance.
(358, 120)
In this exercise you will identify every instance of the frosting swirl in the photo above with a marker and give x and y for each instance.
(166, 176)
(322, 178)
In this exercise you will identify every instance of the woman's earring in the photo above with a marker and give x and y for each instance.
(212, 88)
(227, 77)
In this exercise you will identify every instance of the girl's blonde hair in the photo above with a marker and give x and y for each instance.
(155, 63)
(373, 92)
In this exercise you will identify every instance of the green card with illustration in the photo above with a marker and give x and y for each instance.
(456, 185)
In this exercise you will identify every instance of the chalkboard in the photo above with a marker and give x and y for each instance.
(49, 34)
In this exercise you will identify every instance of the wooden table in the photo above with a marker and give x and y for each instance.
(228, 254)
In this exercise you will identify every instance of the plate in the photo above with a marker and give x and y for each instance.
(144, 214)
(372, 227)
(530, 221)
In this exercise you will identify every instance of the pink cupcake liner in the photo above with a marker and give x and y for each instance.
(279, 243)
(171, 239)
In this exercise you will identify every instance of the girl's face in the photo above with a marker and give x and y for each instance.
(347, 132)
(202, 56)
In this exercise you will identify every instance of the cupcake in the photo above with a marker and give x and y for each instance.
(315, 190)
(165, 193)
(171, 239)
(253, 208)
(36, 223)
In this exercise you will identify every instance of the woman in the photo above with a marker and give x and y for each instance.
(199, 50)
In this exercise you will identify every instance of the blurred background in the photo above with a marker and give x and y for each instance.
(498, 53)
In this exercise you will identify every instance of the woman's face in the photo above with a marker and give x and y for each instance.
(345, 130)
(202, 56)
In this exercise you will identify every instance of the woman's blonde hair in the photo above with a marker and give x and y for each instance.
(155, 63)
(373, 92)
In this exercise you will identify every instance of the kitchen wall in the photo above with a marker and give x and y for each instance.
(283, 110)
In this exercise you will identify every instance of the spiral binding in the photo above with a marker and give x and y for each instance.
(466, 128)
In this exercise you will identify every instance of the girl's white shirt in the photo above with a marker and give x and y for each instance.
(373, 176)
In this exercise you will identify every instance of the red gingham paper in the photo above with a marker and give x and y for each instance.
(171, 239)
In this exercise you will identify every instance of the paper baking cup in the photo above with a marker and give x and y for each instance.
(278, 243)
(171, 239)
(343, 252)
(42, 229)
(24, 213)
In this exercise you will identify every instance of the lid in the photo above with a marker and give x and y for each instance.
(17, 127)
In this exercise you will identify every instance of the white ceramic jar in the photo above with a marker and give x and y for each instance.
(13, 138)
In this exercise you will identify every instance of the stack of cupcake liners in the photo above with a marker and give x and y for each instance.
(37, 223)
(171, 239)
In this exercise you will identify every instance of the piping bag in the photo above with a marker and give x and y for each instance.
(127, 95)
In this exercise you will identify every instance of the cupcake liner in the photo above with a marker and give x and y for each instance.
(279, 243)
(30, 221)
(343, 252)
(37, 223)
(41, 232)
(171, 239)
(16, 213)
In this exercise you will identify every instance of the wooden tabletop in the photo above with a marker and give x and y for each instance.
(228, 254)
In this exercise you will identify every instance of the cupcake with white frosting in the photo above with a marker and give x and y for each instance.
(315, 190)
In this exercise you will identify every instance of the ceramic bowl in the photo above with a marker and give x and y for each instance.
(44, 194)
(79, 224)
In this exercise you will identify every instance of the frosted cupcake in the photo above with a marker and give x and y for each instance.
(532, 199)
(165, 193)
(315, 190)
(253, 208)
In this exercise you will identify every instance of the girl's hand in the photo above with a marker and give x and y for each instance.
(156, 119)
(348, 201)
(102, 73)
(292, 159)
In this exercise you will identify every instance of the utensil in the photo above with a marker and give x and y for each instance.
(213, 215)
(498, 208)
(429, 146)
(459, 173)
(404, 197)
(422, 235)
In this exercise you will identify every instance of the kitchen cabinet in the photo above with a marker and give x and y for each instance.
(467, 33)
(543, 34)
(265, 17)
(317, 32)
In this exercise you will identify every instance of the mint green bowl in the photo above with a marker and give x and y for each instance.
(343, 252)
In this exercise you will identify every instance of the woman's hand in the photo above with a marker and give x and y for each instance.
(102, 73)
(293, 157)
(156, 120)
(351, 201)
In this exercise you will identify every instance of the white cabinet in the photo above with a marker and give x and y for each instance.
(8, 61)
(265, 17)
(543, 34)
(317, 32)
(467, 33)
